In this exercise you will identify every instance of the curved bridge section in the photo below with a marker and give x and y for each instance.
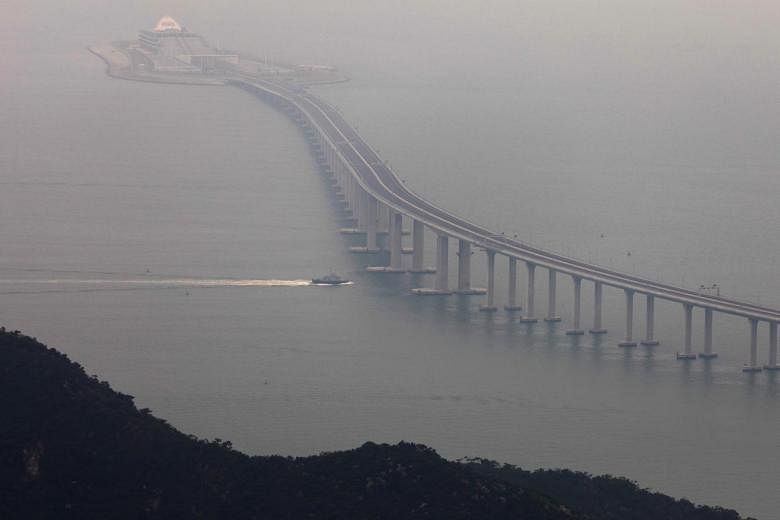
(378, 201)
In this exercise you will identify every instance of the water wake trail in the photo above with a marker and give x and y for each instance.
(63, 285)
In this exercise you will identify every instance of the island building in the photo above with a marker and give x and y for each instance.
(170, 47)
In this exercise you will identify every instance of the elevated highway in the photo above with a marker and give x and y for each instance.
(368, 185)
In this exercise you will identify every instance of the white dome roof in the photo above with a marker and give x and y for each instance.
(167, 23)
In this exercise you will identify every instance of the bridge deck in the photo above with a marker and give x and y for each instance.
(381, 182)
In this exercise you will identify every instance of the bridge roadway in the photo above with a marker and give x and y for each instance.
(369, 179)
(381, 182)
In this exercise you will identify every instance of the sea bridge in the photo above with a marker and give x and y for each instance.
(378, 201)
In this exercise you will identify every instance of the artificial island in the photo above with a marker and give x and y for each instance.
(170, 53)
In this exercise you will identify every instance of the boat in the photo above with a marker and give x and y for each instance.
(330, 279)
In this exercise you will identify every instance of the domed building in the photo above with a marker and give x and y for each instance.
(169, 38)
(167, 23)
(172, 48)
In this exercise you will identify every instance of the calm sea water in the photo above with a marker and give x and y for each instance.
(143, 226)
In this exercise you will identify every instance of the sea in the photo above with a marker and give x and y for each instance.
(163, 236)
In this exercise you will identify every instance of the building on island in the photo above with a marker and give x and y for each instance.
(172, 48)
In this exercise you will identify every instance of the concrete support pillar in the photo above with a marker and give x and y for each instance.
(346, 187)
(629, 339)
(342, 194)
(576, 330)
(371, 216)
(361, 208)
(688, 327)
(491, 261)
(442, 264)
(551, 293)
(383, 226)
(512, 298)
(383, 219)
(772, 365)
(752, 364)
(353, 196)
(393, 243)
(598, 290)
(464, 266)
(396, 235)
(364, 215)
(529, 307)
(687, 345)
(418, 245)
(319, 150)
(344, 181)
(650, 340)
(335, 178)
(708, 353)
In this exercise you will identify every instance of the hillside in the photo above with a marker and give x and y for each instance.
(71, 447)
(603, 497)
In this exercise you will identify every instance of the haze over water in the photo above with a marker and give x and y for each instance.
(654, 124)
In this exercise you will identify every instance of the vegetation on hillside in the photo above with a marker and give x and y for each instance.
(71, 447)
(604, 497)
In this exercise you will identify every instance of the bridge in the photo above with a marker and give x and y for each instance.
(378, 202)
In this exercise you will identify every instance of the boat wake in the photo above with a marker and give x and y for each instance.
(62, 285)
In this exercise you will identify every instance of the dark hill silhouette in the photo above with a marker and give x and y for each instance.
(71, 447)
(604, 497)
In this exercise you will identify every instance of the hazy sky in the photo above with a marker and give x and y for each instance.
(710, 65)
